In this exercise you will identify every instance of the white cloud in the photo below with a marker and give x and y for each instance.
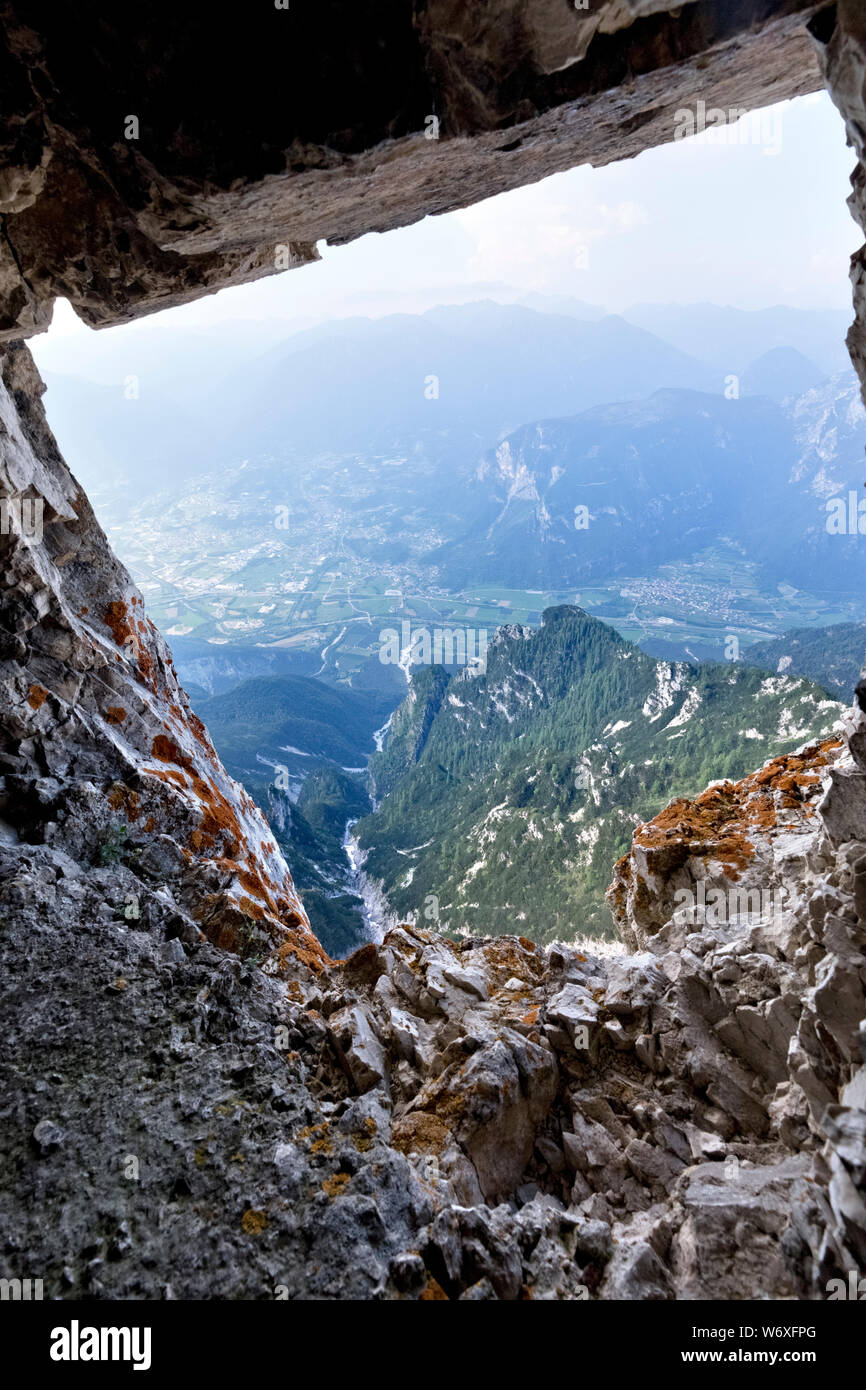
(542, 237)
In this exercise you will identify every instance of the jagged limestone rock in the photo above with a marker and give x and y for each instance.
(374, 1129)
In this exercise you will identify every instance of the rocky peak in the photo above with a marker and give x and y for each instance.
(736, 839)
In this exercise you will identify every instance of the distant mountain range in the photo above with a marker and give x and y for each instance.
(446, 383)
(484, 425)
(657, 479)
(783, 374)
(730, 338)
(162, 406)
(404, 504)
(624, 488)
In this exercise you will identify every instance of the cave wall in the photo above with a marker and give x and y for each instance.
(100, 753)
(840, 35)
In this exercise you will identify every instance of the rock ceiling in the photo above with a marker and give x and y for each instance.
(148, 158)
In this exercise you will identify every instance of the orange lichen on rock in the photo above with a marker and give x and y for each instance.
(122, 798)
(712, 826)
(363, 1138)
(261, 893)
(721, 822)
(309, 1131)
(420, 1132)
(510, 957)
(145, 667)
(251, 909)
(132, 634)
(433, 1292)
(165, 750)
(336, 1185)
(200, 734)
(167, 774)
(220, 821)
(115, 714)
(116, 620)
(36, 697)
(310, 954)
(225, 935)
(219, 815)
(253, 880)
(253, 1222)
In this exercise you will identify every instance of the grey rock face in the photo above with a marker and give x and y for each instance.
(840, 42)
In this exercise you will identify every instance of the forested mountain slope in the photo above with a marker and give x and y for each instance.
(511, 794)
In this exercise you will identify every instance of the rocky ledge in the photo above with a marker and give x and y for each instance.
(482, 1120)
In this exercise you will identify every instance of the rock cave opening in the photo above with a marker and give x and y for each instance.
(200, 1100)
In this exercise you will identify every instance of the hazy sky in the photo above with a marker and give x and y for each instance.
(754, 218)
